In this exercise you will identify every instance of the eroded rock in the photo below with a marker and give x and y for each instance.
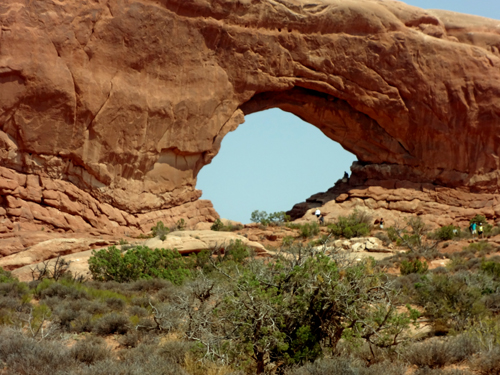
(109, 109)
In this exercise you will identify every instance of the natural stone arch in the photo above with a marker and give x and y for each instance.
(125, 101)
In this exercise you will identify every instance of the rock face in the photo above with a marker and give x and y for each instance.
(109, 109)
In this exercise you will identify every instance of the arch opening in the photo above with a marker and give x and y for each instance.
(270, 163)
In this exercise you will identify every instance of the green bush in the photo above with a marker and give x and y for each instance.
(217, 225)
(309, 230)
(413, 266)
(160, 230)
(259, 217)
(356, 224)
(446, 233)
(139, 263)
(180, 224)
(275, 218)
(6, 276)
(449, 301)
(492, 268)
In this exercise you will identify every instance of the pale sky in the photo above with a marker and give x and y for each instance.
(275, 160)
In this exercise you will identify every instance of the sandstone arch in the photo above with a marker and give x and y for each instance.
(109, 108)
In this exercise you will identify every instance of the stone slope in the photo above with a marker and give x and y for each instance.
(128, 100)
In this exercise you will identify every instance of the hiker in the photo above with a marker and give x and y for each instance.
(381, 223)
(322, 219)
(480, 230)
(345, 179)
(473, 229)
(318, 213)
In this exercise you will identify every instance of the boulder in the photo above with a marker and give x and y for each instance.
(194, 241)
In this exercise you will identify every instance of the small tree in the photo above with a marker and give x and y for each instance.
(285, 310)
(259, 217)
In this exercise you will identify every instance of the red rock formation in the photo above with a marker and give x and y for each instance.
(108, 109)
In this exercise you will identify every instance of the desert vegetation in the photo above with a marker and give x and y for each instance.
(307, 310)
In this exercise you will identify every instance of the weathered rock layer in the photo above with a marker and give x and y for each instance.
(109, 108)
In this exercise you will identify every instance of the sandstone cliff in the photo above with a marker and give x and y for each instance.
(109, 108)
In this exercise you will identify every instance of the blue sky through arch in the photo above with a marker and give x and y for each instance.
(269, 163)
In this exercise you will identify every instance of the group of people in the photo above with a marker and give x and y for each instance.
(476, 229)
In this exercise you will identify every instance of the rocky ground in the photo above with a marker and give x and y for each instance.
(27, 250)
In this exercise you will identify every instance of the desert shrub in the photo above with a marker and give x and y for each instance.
(337, 366)
(488, 363)
(278, 218)
(287, 241)
(275, 218)
(164, 294)
(478, 219)
(150, 366)
(82, 323)
(6, 276)
(320, 241)
(383, 237)
(433, 353)
(236, 251)
(111, 324)
(217, 225)
(66, 316)
(180, 224)
(160, 230)
(309, 229)
(449, 302)
(130, 339)
(438, 353)
(448, 232)
(22, 355)
(259, 217)
(479, 247)
(10, 303)
(386, 368)
(492, 268)
(90, 350)
(430, 371)
(138, 311)
(14, 289)
(139, 263)
(175, 351)
(414, 266)
(115, 303)
(149, 285)
(147, 358)
(48, 288)
(95, 307)
(492, 302)
(356, 224)
(392, 234)
(347, 366)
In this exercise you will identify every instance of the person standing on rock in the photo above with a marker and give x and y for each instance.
(480, 230)
(318, 213)
(381, 223)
